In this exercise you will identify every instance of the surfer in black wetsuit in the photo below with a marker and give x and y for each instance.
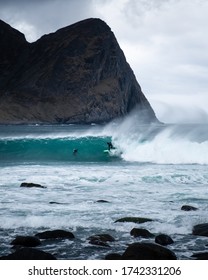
(75, 151)
(110, 146)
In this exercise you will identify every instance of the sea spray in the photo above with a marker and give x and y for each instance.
(160, 143)
(164, 148)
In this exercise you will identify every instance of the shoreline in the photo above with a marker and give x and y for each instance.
(91, 244)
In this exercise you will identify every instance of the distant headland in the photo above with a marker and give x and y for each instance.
(78, 74)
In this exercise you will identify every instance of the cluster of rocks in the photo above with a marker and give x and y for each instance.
(157, 250)
(24, 246)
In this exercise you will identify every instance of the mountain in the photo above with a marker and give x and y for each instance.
(78, 74)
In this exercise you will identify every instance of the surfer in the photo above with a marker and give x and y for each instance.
(110, 146)
(75, 151)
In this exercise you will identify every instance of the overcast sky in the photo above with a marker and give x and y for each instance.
(164, 41)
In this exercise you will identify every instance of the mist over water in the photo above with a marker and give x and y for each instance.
(181, 108)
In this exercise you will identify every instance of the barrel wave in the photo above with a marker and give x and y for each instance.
(158, 144)
(90, 149)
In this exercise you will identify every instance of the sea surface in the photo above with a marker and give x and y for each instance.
(153, 171)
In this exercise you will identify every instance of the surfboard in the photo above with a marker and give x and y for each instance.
(113, 152)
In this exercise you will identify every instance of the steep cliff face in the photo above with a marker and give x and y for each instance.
(78, 74)
(12, 44)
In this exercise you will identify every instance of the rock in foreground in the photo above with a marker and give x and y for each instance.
(29, 254)
(201, 229)
(26, 241)
(147, 251)
(163, 239)
(101, 239)
(141, 232)
(53, 234)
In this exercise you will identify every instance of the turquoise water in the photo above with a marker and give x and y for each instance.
(57, 149)
(153, 171)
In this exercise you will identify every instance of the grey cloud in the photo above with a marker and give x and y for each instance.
(44, 16)
(20, 2)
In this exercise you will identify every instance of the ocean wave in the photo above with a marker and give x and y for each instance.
(163, 144)
(89, 149)
(134, 143)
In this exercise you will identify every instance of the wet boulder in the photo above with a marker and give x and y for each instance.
(137, 220)
(31, 185)
(29, 254)
(101, 239)
(188, 208)
(147, 251)
(163, 239)
(200, 256)
(26, 241)
(200, 229)
(102, 201)
(54, 202)
(53, 234)
(113, 256)
(141, 232)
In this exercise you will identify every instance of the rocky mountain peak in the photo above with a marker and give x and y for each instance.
(78, 74)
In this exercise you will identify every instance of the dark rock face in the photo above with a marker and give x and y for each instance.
(188, 208)
(12, 46)
(200, 256)
(201, 229)
(141, 232)
(29, 254)
(113, 256)
(163, 239)
(26, 241)
(137, 220)
(102, 201)
(31, 185)
(147, 251)
(53, 234)
(101, 239)
(78, 74)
